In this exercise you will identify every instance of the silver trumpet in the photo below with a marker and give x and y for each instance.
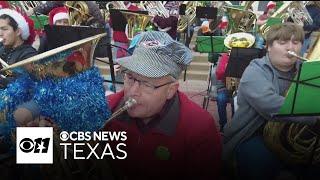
(127, 105)
(291, 53)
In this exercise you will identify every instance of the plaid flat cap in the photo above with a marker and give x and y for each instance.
(157, 55)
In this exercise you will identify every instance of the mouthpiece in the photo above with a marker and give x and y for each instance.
(291, 53)
(127, 105)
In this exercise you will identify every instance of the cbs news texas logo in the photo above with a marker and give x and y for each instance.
(34, 145)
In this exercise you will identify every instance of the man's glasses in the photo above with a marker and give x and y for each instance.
(143, 85)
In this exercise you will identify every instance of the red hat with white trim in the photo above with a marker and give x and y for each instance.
(24, 23)
(271, 5)
(58, 14)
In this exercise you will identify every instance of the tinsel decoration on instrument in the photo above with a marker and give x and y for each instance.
(76, 103)
(17, 92)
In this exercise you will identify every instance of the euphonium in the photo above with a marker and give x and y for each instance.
(299, 13)
(293, 143)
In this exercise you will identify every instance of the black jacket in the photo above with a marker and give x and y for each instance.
(12, 56)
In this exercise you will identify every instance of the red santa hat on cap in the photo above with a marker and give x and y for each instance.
(4, 4)
(24, 23)
(271, 5)
(58, 14)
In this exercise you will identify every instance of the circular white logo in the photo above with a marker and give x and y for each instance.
(151, 43)
(64, 136)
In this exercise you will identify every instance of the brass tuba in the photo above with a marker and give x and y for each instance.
(78, 12)
(25, 6)
(155, 8)
(136, 22)
(189, 16)
(241, 20)
(294, 143)
(115, 5)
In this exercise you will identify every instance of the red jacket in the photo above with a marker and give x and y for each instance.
(192, 149)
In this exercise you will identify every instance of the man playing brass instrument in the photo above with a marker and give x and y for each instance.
(261, 93)
(168, 135)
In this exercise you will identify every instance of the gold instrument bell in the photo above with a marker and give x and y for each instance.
(241, 39)
(55, 63)
(137, 21)
(78, 12)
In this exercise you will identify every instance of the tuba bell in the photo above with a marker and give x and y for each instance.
(293, 143)
(137, 22)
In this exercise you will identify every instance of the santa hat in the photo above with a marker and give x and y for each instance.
(58, 14)
(24, 23)
(4, 4)
(271, 5)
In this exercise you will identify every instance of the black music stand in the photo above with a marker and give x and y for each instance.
(240, 58)
(62, 35)
(209, 13)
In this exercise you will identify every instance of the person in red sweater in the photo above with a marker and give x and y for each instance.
(168, 135)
